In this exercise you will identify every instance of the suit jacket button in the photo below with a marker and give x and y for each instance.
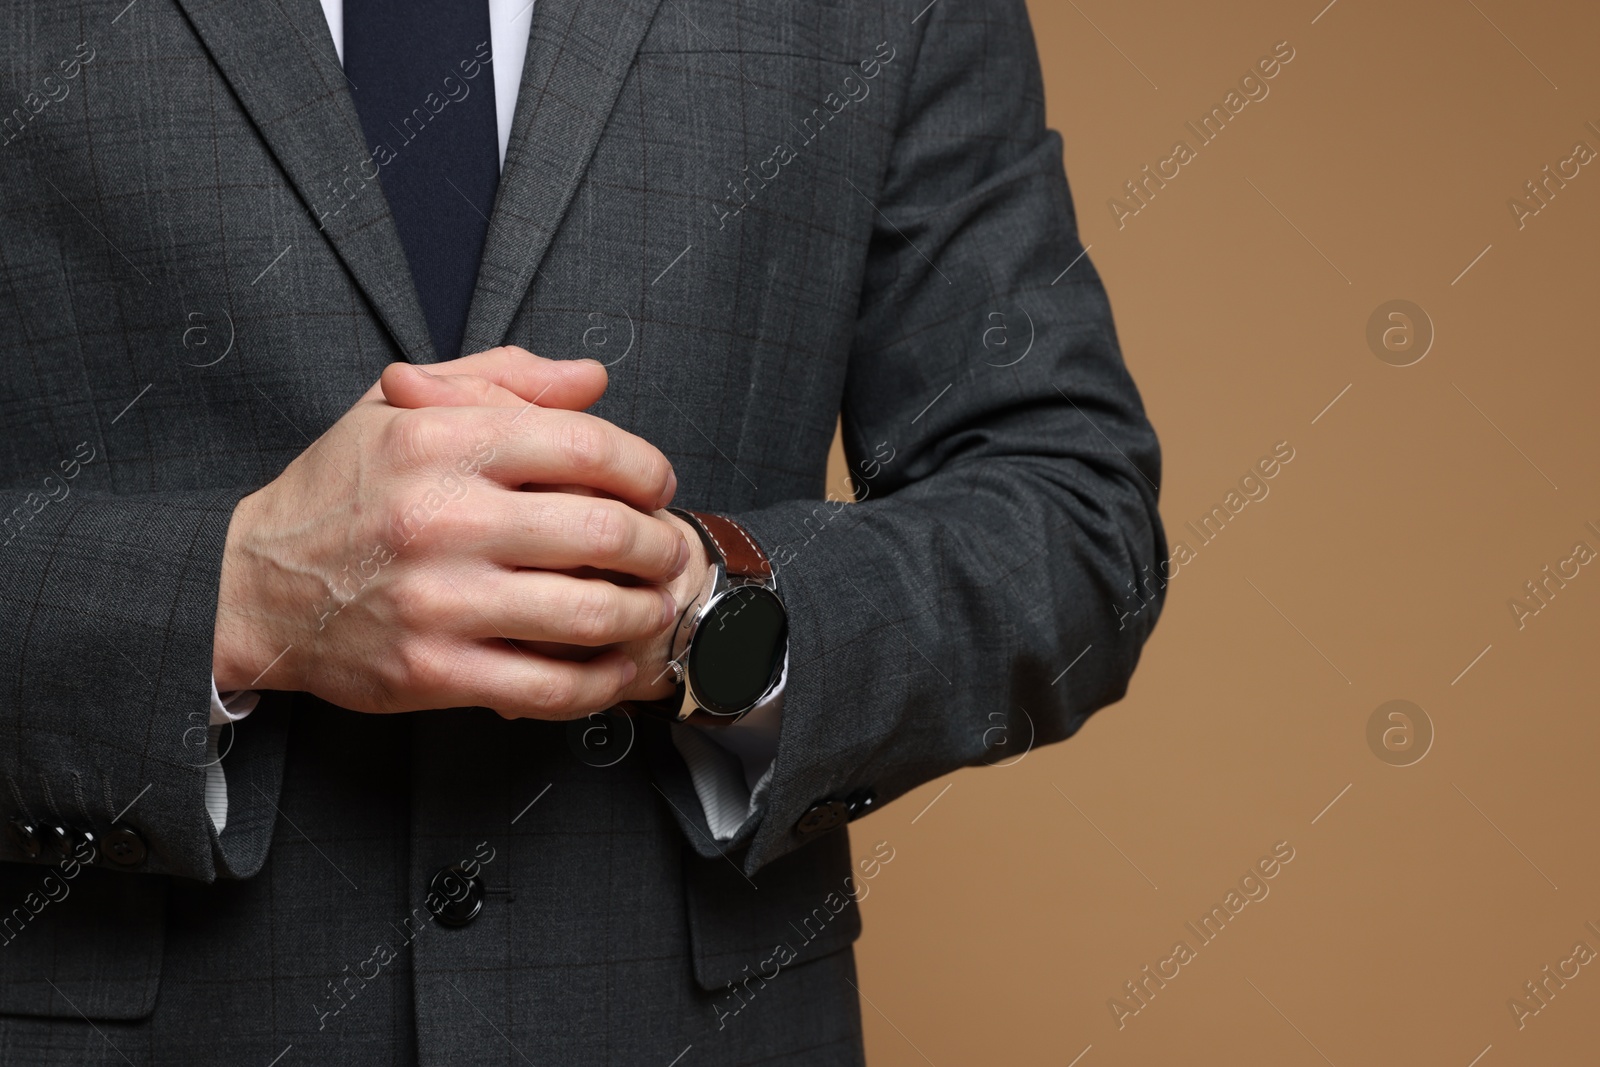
(822, 817)
(55, 842)
(25, 838)
(455, 895)
(124, 846)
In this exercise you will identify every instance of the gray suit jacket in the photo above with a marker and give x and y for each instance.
(759, 214)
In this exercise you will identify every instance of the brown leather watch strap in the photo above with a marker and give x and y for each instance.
(741, 556)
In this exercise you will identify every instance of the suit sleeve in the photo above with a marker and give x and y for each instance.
(1006, 473)
(107, 607)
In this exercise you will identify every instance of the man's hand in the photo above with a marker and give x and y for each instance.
(403, 386)
(397, 564)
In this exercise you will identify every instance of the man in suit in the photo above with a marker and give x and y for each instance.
(316, 580)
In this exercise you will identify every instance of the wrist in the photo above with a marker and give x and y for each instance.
(238, 654)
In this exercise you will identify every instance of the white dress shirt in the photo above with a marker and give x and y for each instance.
(730, 774)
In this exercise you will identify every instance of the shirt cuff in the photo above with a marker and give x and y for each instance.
(233, 706)
(731, 766)
(225, 709)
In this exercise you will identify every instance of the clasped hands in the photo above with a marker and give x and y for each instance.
(464, 535)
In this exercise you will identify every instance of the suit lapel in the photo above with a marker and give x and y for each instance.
(578, 58)
(279, 58)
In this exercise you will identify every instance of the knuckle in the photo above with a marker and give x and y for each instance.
(607, 531)
(427, 514)
(669, 543)
(414, 436)
(583, 445)
(414, 607)
(660, 473)
(473, 388)
(414, 669)
(590, 615)
(554, 692)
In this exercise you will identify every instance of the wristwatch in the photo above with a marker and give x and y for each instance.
(729, 649)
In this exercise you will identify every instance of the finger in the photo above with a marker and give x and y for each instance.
(652, 683)
(540, 606)
(549, 447)
(518, 684)
(557, 650)
(568, 384)
(559, 531)
(405, 385)
(576, 490)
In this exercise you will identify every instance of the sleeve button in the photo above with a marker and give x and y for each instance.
(822, 817)
(861, 801)
(124, 846)
(80, 845)
(55, 842)
(24, 836)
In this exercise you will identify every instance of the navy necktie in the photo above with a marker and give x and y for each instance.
(425, 94)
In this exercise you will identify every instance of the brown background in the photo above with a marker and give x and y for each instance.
(1378, 568)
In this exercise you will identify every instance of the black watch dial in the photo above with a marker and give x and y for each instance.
(738, 649)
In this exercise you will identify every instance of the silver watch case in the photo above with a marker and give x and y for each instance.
(718, 588)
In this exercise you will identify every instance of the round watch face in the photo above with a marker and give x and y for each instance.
(738, 649)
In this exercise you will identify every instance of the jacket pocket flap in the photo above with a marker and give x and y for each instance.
(797, 908)
(89, 945)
